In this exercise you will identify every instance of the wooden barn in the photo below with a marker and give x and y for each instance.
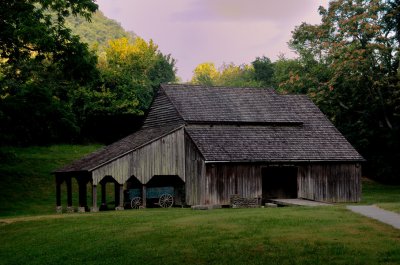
(210, 143)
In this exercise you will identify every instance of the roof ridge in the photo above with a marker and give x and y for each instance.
(216, 86)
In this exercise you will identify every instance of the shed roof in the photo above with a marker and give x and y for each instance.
(117, 149)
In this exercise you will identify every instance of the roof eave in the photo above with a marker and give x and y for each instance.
(286, 161)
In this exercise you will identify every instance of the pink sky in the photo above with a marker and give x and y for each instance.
(197, 31)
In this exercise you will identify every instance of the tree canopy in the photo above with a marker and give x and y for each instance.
(41, 62)
(54, 88)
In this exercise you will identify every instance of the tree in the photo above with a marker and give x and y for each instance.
(351, 61)
(227, 75)
(205, 74)
(263, 71)
(131, 70)
(41, 63)
(237, 76)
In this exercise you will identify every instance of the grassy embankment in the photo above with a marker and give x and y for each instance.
(289, 235)
(26, 184)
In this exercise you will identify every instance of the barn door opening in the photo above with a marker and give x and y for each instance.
(279, 182)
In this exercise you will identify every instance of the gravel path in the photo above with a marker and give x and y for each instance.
(377, 213)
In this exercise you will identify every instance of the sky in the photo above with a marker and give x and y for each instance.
(219, 31)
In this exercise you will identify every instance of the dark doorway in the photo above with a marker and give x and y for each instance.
(279, 182)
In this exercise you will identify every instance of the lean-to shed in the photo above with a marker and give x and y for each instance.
(214, 142)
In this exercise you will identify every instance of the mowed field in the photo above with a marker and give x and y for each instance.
(30, 233)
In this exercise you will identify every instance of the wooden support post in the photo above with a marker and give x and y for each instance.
(82, 195)
(58, 195)
(70, 209)
(94, 199)
(144, 190)
(103, 197)
(116, 194)
(58, 192)
(119, 196)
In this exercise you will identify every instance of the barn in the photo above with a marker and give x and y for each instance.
(211, 143)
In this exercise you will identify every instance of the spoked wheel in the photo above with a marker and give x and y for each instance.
(136, 202)
(166, 200)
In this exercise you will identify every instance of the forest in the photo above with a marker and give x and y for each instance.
(70, 75)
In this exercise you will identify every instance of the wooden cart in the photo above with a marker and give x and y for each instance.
(165, 196)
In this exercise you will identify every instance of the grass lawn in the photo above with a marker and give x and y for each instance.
(384, 196)
(289, 235)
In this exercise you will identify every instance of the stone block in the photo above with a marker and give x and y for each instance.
(70, 209)
(271, 205)
(81, 209)
(58, 209)
(94, 209)
(119, 208)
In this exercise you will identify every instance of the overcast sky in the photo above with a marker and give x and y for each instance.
(197, 31)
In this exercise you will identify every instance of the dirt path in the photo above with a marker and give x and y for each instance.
(37, 218)
(377, 213)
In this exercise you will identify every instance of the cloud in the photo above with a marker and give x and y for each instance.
(239, 10)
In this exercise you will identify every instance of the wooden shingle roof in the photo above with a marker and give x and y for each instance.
(198, 104)
(234, 125)
(286, 127)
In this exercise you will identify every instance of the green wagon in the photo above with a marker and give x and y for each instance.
(165, 196)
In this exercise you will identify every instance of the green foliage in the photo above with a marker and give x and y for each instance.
(130, 72)
(263, 71)
(205, 74)
(227, 75)
(41, 63)
(98, 31)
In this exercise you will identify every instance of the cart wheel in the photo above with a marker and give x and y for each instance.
(136, 202)
(166, 200)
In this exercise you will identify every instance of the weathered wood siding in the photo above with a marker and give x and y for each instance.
(330, 182)
(195, 169)
(224, 180)
(162, 112)
(164, 156)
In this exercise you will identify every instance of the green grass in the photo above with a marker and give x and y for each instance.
(26, 184)
(325, 235)
(384, 196)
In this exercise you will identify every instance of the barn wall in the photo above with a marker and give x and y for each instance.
(330, 182)
(224, 180)
(195, 171)
(164, 156)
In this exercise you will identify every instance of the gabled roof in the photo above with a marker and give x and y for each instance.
(255, 124)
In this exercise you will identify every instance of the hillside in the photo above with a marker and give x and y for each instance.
(98, 31)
